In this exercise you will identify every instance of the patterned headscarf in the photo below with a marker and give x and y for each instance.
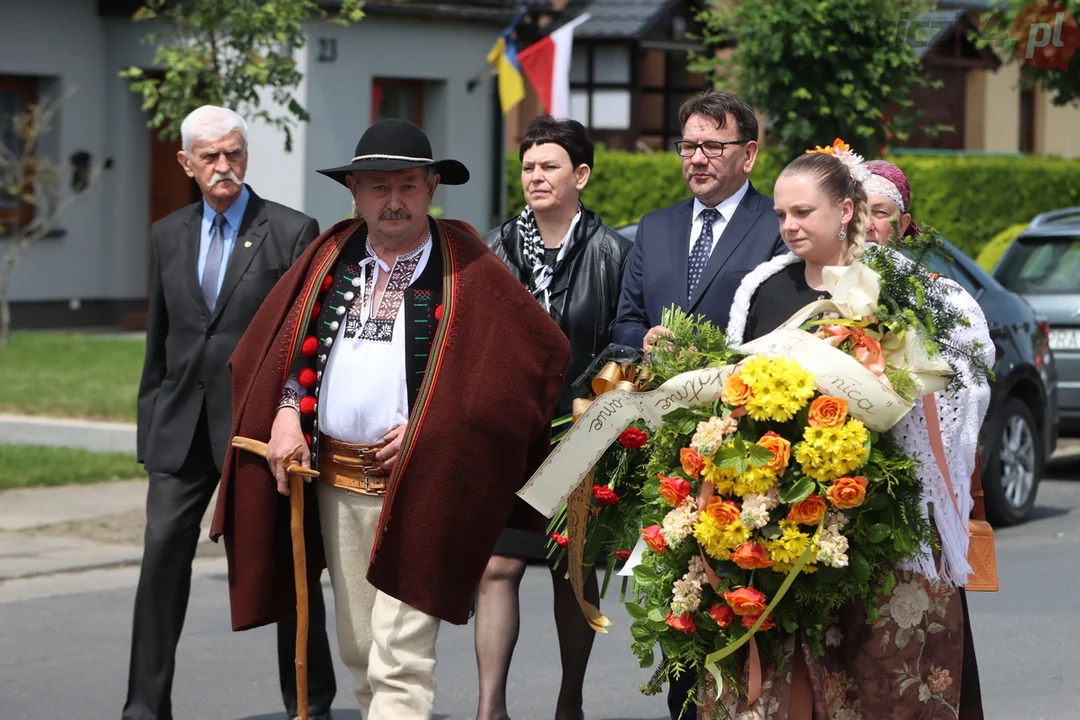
(889, 181)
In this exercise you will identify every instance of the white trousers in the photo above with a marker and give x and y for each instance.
(387, 645)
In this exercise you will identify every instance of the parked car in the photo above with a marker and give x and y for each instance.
(1043, 266)
(1021, 427)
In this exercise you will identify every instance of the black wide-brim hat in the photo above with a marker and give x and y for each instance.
(392, 144)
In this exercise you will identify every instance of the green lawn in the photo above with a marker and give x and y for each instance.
(71, 375)
(33, 466)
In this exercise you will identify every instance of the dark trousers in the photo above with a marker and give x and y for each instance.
(175, 505)
(678, 690)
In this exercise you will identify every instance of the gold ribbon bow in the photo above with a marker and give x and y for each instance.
(612, 376)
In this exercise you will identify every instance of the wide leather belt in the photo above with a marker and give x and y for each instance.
(351, 467)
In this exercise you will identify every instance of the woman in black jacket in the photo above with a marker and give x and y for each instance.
(572, 263)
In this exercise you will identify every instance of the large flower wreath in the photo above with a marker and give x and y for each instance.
(750, 518)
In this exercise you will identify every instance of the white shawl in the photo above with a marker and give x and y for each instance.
(961, 415)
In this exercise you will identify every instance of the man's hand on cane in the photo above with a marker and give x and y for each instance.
(285, 435)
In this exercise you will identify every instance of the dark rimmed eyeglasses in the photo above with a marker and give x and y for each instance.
(711, 148)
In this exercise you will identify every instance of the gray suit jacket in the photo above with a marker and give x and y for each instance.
(187, 346)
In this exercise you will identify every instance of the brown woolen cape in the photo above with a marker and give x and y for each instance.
(479, 428)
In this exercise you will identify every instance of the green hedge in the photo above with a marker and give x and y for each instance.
(968, 200)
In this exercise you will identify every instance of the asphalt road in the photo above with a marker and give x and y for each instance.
(64, 641)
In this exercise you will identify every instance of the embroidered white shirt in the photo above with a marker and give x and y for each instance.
(363, 394)
(726, 210)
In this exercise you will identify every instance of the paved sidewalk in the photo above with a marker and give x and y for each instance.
(45, 531)
(60, 432)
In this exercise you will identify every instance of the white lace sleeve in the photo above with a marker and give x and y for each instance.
(961, 415)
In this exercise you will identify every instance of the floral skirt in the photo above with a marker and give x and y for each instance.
(908, 665)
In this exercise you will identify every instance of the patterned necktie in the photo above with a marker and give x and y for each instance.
(213, 262)
(699, 256)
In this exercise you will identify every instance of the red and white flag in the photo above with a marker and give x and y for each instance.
(547, 65)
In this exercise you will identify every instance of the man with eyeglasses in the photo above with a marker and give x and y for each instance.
(695, 253)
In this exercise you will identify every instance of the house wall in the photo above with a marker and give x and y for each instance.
(1057, 129)
(62, 44)
(993, 110)
(460, 125)
(98, 264)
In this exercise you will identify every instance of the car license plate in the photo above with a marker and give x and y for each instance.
(1064, 339)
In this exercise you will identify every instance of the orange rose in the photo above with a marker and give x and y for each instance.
(722, 614)
(846, 493)
(746, 601)
(724, 512)
(736, 392)
(828, 412)
(684, 622)
(767, 624)
(655, 539)
(781, 450)
(692, 463)
(751, 556)
(808, 511)
(674, 490)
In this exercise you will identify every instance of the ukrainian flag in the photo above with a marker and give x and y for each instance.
(503, 56)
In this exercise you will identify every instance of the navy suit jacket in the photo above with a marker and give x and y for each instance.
(656, 270)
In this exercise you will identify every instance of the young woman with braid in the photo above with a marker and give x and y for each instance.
(910, 663)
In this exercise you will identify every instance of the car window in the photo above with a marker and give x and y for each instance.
(952, 270)
(1042, 265)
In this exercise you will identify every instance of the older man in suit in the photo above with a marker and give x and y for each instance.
(694, 254)
(211, 266)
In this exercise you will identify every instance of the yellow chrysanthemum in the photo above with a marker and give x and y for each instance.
(780, 387)
(722, 478)
(786, 550)
(718, 540)
(755, 481)
(829, 453)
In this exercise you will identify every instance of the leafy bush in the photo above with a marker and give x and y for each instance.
(997, 246)
(968, 200)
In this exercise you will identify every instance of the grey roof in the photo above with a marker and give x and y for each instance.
(617, 19)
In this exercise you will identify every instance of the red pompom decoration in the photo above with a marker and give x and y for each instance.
(307, 378)
(316, 309)
(310, 346)
(438, 313)
(307, 405)
(327, 282)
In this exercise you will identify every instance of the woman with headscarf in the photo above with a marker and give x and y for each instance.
(572, 263)
(910, 662)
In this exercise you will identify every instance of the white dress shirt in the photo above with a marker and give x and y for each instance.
(726, 209)
(363, 394)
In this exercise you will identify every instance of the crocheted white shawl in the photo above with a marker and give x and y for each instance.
(961, 415)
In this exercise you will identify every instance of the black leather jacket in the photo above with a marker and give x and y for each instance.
(584, 288)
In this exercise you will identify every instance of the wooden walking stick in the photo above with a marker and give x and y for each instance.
(297, 473)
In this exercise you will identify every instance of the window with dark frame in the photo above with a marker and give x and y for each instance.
(397, 98)
(654, 85)
(16, 94)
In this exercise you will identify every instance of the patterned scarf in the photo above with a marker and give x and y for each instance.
(532, 247)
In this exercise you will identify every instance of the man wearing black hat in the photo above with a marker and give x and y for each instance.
(418, 377)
